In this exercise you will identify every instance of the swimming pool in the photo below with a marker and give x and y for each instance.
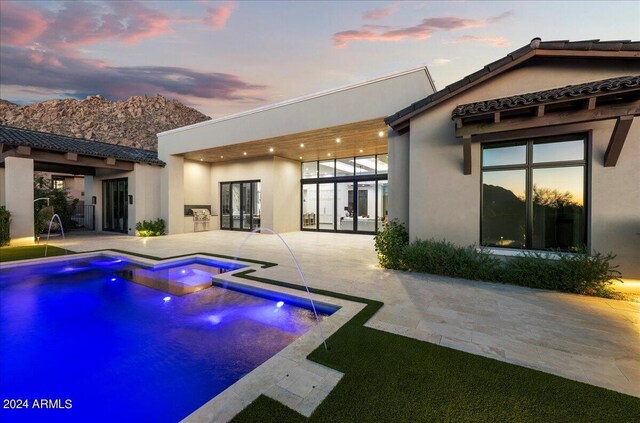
(79, 333)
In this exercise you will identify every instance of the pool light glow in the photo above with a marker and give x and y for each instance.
(165, 299)
(279, 304)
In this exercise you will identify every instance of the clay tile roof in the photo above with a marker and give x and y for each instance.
(535, 44)
(541, 97)
(52, 142)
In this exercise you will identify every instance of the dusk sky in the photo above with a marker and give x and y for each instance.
(223, 57)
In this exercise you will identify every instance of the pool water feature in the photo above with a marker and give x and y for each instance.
(79, 330)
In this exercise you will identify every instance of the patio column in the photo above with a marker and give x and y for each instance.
(18, 197)
(2, 187)
(172, 194)
(399, 176)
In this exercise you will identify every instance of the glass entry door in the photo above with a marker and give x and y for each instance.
(240, 205)
(115, 209)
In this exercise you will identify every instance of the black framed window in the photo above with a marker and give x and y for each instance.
(240, 205)
(345, 194)
(534, 194)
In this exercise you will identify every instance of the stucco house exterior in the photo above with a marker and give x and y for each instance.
(315, 163)
(121, 183)
(539, 150)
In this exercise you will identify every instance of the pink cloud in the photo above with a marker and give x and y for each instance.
(78, 77)
(218, 16)
(20, 24)
(81, 23)
(422, 31)
(492, 41)
(381, 13)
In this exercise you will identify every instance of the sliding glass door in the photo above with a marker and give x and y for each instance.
(345, 194)
(240, 205)
(115, 209)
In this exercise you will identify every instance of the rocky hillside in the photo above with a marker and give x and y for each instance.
(134, 122)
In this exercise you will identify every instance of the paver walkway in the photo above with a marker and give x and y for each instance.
(588, 339)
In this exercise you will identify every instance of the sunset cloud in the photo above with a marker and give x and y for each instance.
(492, 41)
(422, 31)
(381, 13)
(20, 24)
(218, 16)
(80, 77)
(81, 24)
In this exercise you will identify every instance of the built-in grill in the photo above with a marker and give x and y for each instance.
(201, 219)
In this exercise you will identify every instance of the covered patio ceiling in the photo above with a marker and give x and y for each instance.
(354, 139)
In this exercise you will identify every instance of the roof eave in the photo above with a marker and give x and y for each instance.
(489, 71)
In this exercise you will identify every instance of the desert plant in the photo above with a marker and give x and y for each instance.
(448, 259)
(42, 220)
(579, 273)
(150, 227)
(5, 222)
(59, 200)
(390, 242)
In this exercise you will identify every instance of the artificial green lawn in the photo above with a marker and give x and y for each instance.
(397, 379)
(29, 252)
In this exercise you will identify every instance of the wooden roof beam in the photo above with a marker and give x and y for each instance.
(618, 137)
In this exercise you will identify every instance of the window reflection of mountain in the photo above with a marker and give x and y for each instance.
(503, 217)
(557, 219)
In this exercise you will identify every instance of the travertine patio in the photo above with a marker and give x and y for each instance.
(588, 339)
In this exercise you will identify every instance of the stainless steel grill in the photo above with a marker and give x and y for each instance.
(201, 219)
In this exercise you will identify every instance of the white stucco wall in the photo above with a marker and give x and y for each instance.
(445, 203)
(18, 198)
(399, 177)
(286, 195)
(242, 170)
(2, 187)
(369, 100)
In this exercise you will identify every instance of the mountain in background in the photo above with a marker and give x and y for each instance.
(134, 122)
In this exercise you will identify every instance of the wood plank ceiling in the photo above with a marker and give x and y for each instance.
(354, 139)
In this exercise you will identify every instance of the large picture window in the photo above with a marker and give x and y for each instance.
(534, 194)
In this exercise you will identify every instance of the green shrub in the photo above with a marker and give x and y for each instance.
(42, 220)
(390, 242)
(60, 202)
(150, 227)
(5, 221)
(579, 273)
(445, 258)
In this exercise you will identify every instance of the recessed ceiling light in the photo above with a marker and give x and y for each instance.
(201, 159)
(338, 140)
(381, 134)
(271, 149)
(301, 145)
(300, 157)
(222, 157)
(244, 153)
(329, 154)
(361, 150)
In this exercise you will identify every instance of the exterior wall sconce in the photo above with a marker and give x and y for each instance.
(94, 200)
(130, 199)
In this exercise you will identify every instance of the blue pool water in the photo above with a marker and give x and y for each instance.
(121, 351)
